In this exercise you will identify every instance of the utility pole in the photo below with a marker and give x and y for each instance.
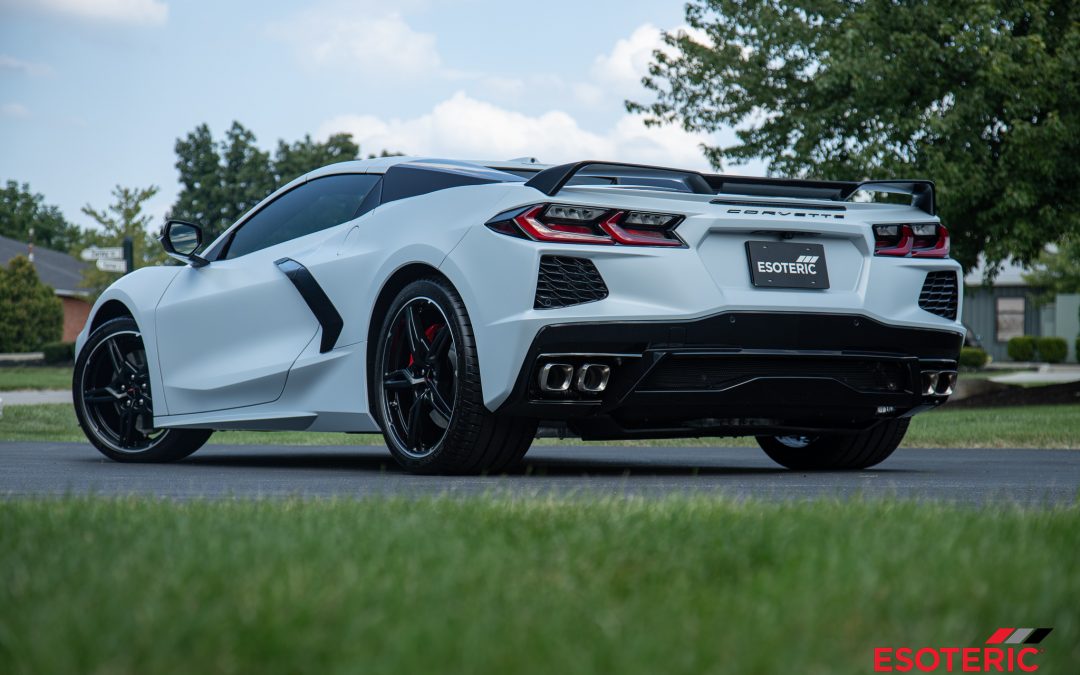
(129, 255)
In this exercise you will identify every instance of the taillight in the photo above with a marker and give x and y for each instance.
(566, 224)
(918, 240)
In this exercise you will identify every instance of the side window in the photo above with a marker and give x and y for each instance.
(313, 206)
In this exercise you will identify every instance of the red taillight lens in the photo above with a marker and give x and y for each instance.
(564, 224)
(918, 240)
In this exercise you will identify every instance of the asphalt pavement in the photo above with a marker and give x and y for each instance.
(217, 471)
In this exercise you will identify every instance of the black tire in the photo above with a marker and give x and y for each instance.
(113, 401)
(412, 388)
(836, 452)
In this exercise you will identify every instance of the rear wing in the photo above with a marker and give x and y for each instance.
(551, 181)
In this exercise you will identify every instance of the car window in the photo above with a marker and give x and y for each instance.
(313, 206)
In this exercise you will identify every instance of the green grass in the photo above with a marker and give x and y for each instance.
(35, 377)
(1050, 426)
(511, 585)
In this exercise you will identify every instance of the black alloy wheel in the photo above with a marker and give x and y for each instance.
(114, 402)
(420, 377)
(426, 392)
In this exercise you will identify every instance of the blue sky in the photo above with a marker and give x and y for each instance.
(94, 93)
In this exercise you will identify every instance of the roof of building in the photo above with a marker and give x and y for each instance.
(61, 271)
(1011, 274)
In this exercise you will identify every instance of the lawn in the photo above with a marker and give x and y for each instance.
(35, 377)
(510, 585)
(1049, 426)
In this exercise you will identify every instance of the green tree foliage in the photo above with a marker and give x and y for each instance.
(1058, 271)
(21, 210)
(221, 180)
(123, 218)
(982, 96)
(305, 155)
(30, 312)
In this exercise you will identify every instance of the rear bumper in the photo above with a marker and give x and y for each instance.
(736, 373)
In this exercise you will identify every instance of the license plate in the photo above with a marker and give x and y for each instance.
(778, 264)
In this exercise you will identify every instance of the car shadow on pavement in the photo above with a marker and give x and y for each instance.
(539, 467)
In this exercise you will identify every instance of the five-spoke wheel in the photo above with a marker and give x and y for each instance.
(420, 376)
(426, 388)
(114, 402)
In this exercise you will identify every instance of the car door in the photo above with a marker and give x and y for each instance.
(228, 332)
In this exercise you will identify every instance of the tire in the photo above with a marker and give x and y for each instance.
(426, 393)
(836, 452)
(113, 401)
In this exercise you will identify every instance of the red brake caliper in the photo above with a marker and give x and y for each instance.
(429, 333)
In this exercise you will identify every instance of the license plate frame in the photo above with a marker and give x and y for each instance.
(782, 264)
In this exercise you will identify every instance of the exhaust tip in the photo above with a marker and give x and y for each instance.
(556, 377)
(592, 378)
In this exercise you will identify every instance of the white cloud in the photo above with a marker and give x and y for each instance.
(464, 127)
(24, 67)
(622, 68)
(148, 12)
(14, 110)
(370, 40)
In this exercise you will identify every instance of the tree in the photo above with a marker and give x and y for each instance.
(306, 155)
(220, 181)
(30, 312)
(123, 218)
(1057, 271)
(982, 96)
(21, 210)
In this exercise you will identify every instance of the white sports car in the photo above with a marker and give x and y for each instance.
(458, 307)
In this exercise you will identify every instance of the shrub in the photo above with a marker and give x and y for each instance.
(1021, 348)
(30, 313)
(973, 358)
(1052, 349)
(58, 352)
(1077, 352)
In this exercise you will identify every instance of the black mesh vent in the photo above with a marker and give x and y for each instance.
(940, 294)
(565, 281)
(703, 373)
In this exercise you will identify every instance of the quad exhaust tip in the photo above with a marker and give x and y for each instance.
(590, 378)
(938, 383)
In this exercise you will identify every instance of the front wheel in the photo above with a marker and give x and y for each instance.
(114, 403)
(836, 452)
(426, 389)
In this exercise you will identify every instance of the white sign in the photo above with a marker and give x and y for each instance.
(99, 253)
(112, 265)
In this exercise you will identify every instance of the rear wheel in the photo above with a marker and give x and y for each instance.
(837, 452)
(427, 389)
(114, 402)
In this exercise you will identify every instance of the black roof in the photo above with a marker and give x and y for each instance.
(61, 271)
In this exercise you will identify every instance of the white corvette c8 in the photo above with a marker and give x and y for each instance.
(457, 307)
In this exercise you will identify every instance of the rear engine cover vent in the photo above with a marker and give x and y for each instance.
(565, 281)
(940, 294)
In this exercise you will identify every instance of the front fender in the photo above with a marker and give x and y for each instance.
(140, 293)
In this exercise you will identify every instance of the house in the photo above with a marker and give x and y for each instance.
(1010, 307)
(61, 271)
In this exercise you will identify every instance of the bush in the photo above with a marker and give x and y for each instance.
(30, 312)
(1077, 352)
(58, 352)
(973, 358)
(1052, 349)
(1022, 348)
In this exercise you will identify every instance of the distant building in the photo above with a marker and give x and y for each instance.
(61, 271)
(1009, 308)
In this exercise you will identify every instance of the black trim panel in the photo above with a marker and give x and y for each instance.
(317, 300)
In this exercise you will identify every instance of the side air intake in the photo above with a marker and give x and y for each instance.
(565, 280)
(940, 294)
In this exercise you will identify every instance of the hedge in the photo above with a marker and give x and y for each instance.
(58, 352)
(1052, 349)
(1021, 348)
(973, 358)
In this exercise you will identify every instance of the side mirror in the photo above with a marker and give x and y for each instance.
(181, 239)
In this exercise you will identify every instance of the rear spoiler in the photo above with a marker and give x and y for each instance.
(551, 181)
